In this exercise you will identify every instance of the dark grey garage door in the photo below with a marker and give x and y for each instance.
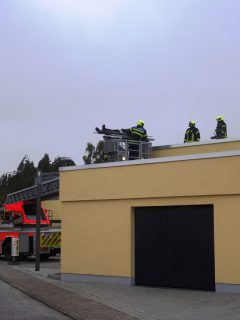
(174, 247)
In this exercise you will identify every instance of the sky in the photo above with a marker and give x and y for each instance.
(67, 66)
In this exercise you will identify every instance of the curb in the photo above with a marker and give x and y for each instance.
(36, 297)
(68, 303)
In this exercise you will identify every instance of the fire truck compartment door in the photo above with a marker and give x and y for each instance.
(23, 243)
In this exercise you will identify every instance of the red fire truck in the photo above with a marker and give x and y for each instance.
(18, 222)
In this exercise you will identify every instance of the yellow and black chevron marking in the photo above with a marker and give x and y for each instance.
(51, 239)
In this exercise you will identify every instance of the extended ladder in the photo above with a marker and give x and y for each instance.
(49, 188)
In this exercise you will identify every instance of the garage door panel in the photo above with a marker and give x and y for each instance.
(174, 247)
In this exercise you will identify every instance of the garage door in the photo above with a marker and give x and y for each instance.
(174, 247)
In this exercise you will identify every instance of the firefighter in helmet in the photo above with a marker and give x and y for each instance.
(136, 134)
(221, 129)
(192, 133)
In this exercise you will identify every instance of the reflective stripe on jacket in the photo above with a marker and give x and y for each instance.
(221, 130)
(138, 133)
(192, 134)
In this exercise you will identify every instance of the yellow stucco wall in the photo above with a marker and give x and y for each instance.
(195, 148)
(166, 179)
(227, 239)
(97, 211)
(99, 238)
(55, 206)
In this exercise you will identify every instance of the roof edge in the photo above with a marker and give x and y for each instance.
(211, 155)
(169, 146)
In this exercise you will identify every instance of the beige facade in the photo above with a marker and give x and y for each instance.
(196, 148)
(54, 209)
(98, 204)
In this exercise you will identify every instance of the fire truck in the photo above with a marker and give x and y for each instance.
(18, 225)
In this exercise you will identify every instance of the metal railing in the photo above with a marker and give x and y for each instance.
(119, 149)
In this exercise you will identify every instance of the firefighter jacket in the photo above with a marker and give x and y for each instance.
(136, 133)
(192, 134)
(221, 130)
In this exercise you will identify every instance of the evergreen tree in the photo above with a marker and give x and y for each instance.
(22, 178)
(25, 175)
(5, 186)
(44, 165)
(26, 172)
(61, 162)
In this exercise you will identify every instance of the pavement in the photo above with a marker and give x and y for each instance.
(98, 301)
(16, 305)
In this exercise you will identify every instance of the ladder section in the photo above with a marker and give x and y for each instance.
(49, 188)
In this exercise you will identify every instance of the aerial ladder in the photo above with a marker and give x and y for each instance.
(18, 223)
(49, 188)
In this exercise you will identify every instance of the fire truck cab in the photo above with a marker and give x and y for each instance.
(18, 221)
(23, 213)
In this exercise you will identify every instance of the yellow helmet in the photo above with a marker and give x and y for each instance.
(219, 118)
(140, 123)
(192, 122)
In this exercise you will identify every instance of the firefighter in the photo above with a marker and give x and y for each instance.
(192, 133)
(136, 134)
(221, 129)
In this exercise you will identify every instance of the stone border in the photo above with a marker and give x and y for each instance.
(98, 279)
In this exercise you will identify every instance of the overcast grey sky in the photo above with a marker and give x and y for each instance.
(68, 66)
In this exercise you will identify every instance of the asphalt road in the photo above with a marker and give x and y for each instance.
(16, 305)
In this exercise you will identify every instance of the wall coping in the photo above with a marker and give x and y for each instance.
(211, 155)
(196, 144)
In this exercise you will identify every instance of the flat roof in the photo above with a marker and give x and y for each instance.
(210, 155)
(201, 143)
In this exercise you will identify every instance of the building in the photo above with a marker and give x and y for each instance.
(171, 221)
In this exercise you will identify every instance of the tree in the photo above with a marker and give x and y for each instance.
(99, 155)
(22, 178)
(61, 162)
(89, 152)
(5, 185)
(94, 154)
(44, 165)
(25, 174)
